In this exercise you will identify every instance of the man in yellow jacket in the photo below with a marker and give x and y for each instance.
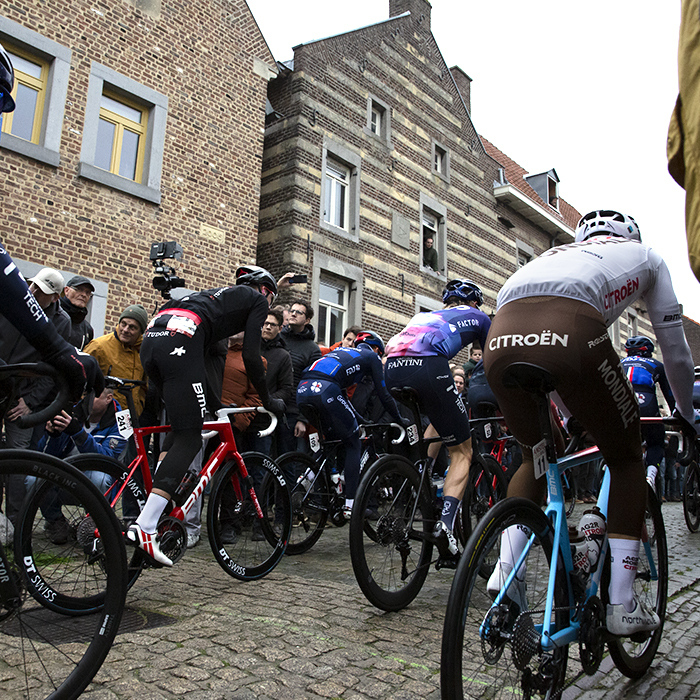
(118, 353)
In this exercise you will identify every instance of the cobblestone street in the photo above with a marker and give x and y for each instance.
(307, 632)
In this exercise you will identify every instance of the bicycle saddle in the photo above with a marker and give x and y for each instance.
(405, 394)
(528, 377)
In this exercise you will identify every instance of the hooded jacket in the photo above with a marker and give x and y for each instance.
(304, 350)
(280, 375)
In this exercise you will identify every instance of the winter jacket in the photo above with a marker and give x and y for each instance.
(81, 332)
(280, 375)
(104, 438)
(304, 350)
(238, 389)
(119, 360)
(14, 348)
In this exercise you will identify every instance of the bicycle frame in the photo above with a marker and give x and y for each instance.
(226, 450)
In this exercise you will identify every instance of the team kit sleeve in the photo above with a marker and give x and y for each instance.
(251, 347)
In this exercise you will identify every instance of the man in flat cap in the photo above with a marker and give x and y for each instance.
(76, 297)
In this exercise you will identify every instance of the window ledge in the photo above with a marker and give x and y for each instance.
(30, 150)
(326, 226)
(90, 172)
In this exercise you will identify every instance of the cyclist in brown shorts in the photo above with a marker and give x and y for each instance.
(554, 313)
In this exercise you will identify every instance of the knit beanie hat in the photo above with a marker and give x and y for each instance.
(138, 313)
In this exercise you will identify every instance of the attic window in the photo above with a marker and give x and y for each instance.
(553, 193)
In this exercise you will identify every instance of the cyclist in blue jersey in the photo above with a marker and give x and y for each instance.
(418, 357)
(322, 388)
(644, 374)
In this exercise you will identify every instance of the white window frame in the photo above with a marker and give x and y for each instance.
(59, 59)
(343, 285)
(337, 179)
(440, 160)
(632, 323)
(524, 253)
(339, 154)
(325, 265)
(383, 111)
(104, 79)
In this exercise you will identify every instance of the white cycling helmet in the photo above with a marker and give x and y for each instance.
(605, 222)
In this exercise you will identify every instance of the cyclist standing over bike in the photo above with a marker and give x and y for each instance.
(644, 374)
(554, 313)
(172, 354)
(322, 388)
(418, 357)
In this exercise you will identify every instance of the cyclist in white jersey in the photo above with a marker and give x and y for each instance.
(553, 313)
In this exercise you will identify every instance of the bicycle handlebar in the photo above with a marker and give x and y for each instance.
(688, 449)
(224, 412)
(123, 384)
(39, 369)
(364, 427)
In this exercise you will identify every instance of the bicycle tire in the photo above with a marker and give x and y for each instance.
(137, 499)
(57, 657)
(691, 497)
(258, 545)
(309, 504)
(390, 563)
(480, 662)
(633, 656)
(480, 493)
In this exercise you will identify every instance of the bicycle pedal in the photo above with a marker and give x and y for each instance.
(447, 563)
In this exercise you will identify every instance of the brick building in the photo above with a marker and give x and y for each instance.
(137, 121)
(369, 149)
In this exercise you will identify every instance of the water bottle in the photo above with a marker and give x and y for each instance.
(186, 487)
(592, 529)
(579, 551)
(338, 482)
(306, 479)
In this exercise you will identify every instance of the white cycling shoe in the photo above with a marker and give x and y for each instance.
(624, 624)
(516, 593)
(148, 543)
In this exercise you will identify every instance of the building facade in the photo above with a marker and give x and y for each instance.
(138, 121)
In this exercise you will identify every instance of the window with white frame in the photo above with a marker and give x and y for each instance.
(333, 297)
(524, 253)
(340, 190)
(378, 120)
(337, 181)
(124, 134)
(42, 68)
(441, 160)
(432, 219)
(632, 324)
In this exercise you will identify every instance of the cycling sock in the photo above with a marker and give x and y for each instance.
(148, 520)
(652, 471)
(513, 541)
(449, 510)
(349, 502)
(624, 556)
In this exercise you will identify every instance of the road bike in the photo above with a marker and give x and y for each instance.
(249, 499)
(513, 641)
(317, 482)
(395, 511)
(43, 653)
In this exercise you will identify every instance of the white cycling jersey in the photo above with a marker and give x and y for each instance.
(610, 273)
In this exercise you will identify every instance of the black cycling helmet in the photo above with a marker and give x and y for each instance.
(252, 275)
(639, 345)
(7, 82)
(464, 290)
(370, 338)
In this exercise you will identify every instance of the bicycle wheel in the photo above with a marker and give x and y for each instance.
(246, 546)
(389, 546)
(491, 651)
(127, 507)
(309, 501)
(44, 653)
(691, 497)
(487, 484)
(634, 655)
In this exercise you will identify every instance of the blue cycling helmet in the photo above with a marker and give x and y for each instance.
(464, 290)
(370, 338)
(605, 222)
(639, 345)
(7, 81)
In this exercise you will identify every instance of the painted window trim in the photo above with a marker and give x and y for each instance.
(338, 268)
(338, 152)
(58, 58)
(440, 211)
(101, 78)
